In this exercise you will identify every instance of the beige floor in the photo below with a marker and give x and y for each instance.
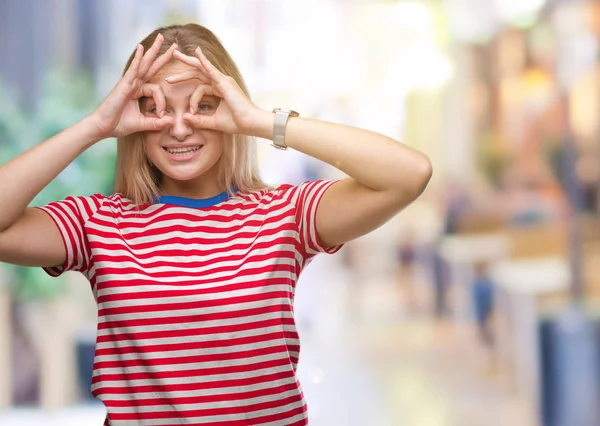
(436, 375)
(415, 373)
(390, 363)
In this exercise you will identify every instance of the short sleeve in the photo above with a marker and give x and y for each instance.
(70, 216)
(306, 198)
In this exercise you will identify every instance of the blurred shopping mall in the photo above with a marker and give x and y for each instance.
(477, 305)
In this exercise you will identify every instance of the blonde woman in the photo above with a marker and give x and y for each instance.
(193, 261)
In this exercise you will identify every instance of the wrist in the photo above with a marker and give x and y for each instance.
(92, 131)
(263, 125)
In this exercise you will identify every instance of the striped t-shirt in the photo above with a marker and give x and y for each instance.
(195, 303)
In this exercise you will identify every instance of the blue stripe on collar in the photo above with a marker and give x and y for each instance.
(192, 202)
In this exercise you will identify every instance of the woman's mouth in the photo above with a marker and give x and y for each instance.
(183, 153)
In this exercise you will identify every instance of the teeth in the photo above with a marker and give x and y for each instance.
(184, 150)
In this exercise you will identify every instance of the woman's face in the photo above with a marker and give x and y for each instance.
(187, 157)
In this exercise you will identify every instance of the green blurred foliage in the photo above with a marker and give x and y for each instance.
(65, 100)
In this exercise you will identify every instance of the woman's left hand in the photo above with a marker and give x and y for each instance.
(235, 113)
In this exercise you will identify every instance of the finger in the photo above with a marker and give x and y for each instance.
(189, 60)
(186, 76)
(210, 69)
(135, 63)
(191, 75)
(192, 61)
(199, 93)
(154, 91)
(151, 123)
(150, 55)
(202, 67)
(162, 60)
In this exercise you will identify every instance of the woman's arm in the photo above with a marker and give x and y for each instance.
(28, 236)
(23, 177)
(385, 175)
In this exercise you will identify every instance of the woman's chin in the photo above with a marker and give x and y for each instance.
(182, 175)
(184, 172)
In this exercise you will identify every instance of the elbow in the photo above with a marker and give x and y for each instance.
(423, 170)
(424, 173)
(419, 177)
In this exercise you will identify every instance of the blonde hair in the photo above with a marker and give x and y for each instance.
(139, 180)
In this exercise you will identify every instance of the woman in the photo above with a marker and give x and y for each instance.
(193, 261)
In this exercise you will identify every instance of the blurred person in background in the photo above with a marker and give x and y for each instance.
(455, 203)
(193, 260)
(482, 293)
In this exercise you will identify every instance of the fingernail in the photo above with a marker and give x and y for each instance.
(169, 78)
(198, 49)
(191, 110)
(162, 114)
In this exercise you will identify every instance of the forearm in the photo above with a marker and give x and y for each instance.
(23, 177)
(372, 159)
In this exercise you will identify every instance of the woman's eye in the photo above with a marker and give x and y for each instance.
(204, 107)
(149, 109)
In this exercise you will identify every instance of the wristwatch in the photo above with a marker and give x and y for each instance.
(281, 118)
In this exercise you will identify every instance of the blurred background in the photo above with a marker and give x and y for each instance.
(477, 305)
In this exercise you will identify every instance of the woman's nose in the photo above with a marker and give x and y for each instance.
(180, 129)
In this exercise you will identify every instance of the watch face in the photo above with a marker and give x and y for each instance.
(291, 112)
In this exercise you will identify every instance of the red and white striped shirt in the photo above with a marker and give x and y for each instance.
(195, 304)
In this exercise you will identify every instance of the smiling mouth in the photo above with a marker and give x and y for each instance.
(183, 151)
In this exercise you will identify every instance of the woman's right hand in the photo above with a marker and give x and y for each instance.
(119, 114)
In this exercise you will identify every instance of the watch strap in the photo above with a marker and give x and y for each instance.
(279, 125)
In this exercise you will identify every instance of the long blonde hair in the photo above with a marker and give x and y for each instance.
(139, 180)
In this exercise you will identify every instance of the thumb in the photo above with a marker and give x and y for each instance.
(200, 121)
(151, 123)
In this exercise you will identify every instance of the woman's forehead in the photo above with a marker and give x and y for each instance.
(174, 67)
